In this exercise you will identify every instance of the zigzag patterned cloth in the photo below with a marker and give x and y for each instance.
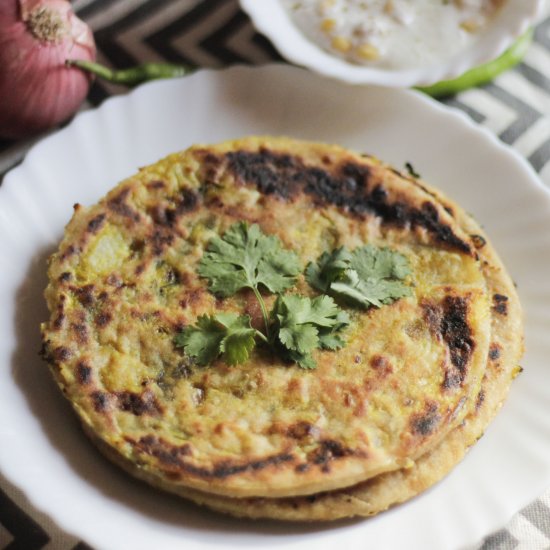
(214, 33)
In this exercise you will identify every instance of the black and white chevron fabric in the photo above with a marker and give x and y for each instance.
(213, 33)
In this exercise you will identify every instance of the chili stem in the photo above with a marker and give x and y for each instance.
(134, 75)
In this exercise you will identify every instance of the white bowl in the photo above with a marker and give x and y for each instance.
(272, 20)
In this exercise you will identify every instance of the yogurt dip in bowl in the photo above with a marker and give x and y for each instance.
(394, 34)
(391, 42)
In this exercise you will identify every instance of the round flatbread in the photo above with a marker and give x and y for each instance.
(380, 493)
(125, 281)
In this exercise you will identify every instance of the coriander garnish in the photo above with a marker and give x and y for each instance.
(247, 258)
(244, 257)
(303, 324)
(226, 334)
(368, 276)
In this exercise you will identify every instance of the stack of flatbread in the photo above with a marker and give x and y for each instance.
(375, 422)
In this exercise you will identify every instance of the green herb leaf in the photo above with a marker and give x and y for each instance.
(226, 334)
(327, 269)
(303, 360)
(245, 257)
(304, 324)
(202, 341)
(329, 338)
(331, 341)
(369, 276)
(379, 263)
(370, 292)
(239, 339)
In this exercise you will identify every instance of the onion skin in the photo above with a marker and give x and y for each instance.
(37, 90)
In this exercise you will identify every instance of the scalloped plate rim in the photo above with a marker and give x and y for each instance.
(461, 121)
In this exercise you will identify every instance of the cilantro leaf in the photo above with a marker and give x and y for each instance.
(371, 262)
(329, 338)
(369, 292)
(327, 269)
(226, 334)
(304, 360)
(246, 257)
(239, 339)
(368, 276)
(331, 341)
(304, 324)
(201, 341)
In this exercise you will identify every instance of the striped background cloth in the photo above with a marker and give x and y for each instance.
(216, 33)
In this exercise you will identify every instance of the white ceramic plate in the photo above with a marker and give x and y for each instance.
(271, 19)
(42, 449)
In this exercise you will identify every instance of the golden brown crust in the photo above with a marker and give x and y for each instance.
(124, 281)
(384, 491)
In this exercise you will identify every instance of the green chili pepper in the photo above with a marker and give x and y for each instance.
(484, 73)
(474, 77)
(135, 75)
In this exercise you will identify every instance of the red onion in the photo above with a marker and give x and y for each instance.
(37, 90)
